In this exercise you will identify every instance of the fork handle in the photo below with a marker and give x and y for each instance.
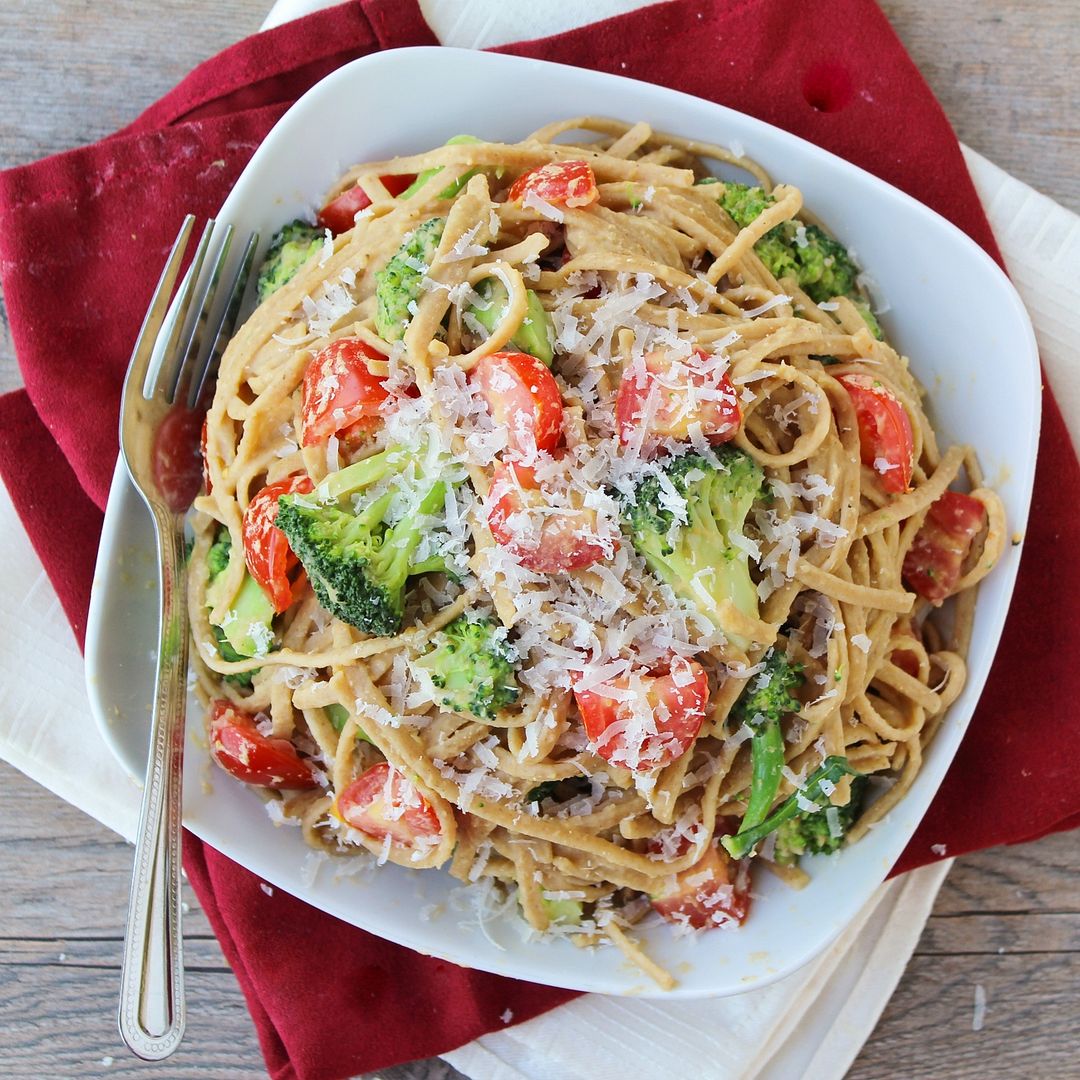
(152, 1012)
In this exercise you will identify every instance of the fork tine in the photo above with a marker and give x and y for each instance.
(155, 313)
(165, 347)
(225, 327)
(190, 344)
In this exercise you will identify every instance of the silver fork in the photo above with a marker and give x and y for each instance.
(172, 365)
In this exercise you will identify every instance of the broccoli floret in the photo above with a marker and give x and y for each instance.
(764, 703)
(397, 284)
(811, 834)
(820, 264)
(217, 558)
(471, 666)
(768, 694)
(698, 557)
(357, 560)
(824, 267)
(826, 776)
(743, 203)
(289, 250)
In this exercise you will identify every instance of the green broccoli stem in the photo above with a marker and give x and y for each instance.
(409, 540)
(767, 765)
(830, 771)
(355, 477)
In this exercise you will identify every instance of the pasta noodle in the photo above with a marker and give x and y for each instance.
(522, 798)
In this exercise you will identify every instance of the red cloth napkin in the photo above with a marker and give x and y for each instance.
(82, 238)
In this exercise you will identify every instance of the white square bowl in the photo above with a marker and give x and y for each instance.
(952, 311)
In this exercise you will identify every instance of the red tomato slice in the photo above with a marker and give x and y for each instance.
(655, 727)
(885, 438)
(339, 214)
(569, 183)
(382, 802)
(339, 390)
(933, 564)
(549, 544)
(176, 460)
(714, 892)
(523, 397)
(682, 393)
(269, 557)
(241, 750)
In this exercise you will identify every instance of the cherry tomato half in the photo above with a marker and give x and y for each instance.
(547, 543)
(885, 437)
(339, 214)
(656, 726)
(339, 390)
(669, 396)
(239, 748)
(714, 892)
(936, 557)
(176, 459)
(523, 397)
(269, 557)
(383, 802)
(566, 183)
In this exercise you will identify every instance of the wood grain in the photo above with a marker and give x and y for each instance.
(1008, 919)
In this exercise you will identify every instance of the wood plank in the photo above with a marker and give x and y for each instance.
(1038, 877)
(61, 1022)
(1007, 78)
(64, 874)
(1029, 1031)
(200, 953)
(1014, 932)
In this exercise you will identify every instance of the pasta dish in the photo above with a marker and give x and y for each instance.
(569, 523)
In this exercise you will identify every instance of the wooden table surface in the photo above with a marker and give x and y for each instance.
(1007, 920)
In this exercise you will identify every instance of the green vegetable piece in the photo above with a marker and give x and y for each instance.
(767, 699)
(338, 715)
(809, 834)
(868, 317)
(564, 912)
(288, 251)
(217, 558)
(451, 189)
(535, 335)
(227, 653)
(830, 771)
(249, 628)
(397, 284)
(471, 666)
(743, 203)
(820, 264)
(357, 560)
(559, 790)
(698, 558)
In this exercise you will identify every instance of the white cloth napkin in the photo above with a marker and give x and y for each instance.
(811, 1024)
